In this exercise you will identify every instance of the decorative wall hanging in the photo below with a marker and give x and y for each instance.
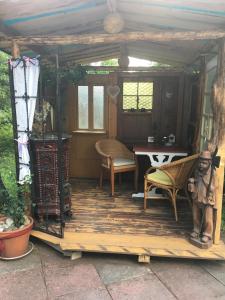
(169, 95)
(113, 91)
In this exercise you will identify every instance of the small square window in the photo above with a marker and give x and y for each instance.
(137, 96)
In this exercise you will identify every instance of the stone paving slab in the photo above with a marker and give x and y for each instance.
(23, 285)
(215, 268)
(111, 273)
(47, 274)
(72, 279)
(50, 257)
(188, 280)
(93, 294)
(146, 287)
(29, 262)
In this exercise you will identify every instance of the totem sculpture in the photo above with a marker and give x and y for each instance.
(201, 187)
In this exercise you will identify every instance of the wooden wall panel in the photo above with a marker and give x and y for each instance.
(165, 118)
(84, 161)
(169, 106)
(132, 128)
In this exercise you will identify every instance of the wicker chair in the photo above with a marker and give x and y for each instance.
(116, 158)
(171, 177)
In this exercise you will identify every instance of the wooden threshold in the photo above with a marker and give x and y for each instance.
(128, 244)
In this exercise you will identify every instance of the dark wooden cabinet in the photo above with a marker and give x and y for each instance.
(46, 175)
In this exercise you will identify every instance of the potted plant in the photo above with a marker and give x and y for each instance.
(15, 226)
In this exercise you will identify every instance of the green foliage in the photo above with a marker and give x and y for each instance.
(13, 207)
(12, 202)
(6, 132)
(106, 63)
(6, 141)
(66, 75)
(8, 173)
(110, 62)
(13, 199)
(4, 82)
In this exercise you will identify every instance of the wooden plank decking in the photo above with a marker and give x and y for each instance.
(101, 223)
(95, 211)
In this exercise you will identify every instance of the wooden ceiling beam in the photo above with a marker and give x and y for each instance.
(112, 5)
(80, 57)
(90, 50)
(88, 39)
(136, 69)
(7, 31)
(93, 59)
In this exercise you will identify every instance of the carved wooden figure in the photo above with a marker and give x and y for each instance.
(202, 193)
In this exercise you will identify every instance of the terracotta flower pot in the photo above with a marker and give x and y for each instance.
(15, 243)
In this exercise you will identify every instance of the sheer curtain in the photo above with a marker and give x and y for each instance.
(25, 79)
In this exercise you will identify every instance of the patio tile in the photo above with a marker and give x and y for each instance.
(111, 273)
(72, 279)
(51, 257)
(92, 294)
(216, 269)
(146, 287)
(28, 262)
(188, 280)
(23, 285)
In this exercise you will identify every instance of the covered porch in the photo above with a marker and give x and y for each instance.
(181, 95)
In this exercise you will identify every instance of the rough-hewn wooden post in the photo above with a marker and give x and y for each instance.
(112, 109)
(15, 50)
(197, 137)
(220, 138)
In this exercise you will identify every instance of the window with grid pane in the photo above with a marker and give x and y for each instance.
(137, 96)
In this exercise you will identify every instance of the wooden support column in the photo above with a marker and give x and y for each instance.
(112, 109)
(112, 5)
(219, 123)
(143, 258)
(219, 195)
(15, 50)
(196, 140)
(179, 126)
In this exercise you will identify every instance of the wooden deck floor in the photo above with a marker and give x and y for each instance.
(101, 223)
(95, 211)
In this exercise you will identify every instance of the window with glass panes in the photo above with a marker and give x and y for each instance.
(91, 108)
(137, 96)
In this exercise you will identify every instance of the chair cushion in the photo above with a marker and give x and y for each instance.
(118, 162)
(159, 177)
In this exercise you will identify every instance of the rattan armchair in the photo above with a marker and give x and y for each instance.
(171, 177)
(116, 158)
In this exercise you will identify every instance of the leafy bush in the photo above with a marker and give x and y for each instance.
(7, 157)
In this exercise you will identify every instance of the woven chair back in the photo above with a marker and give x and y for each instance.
(113, 148)
(181, 169)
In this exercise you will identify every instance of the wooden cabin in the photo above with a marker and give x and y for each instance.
(182, 95)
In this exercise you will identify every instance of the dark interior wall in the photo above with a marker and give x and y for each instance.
(167, 118)
(135, 127)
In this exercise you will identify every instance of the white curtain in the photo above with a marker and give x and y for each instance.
(25, 80)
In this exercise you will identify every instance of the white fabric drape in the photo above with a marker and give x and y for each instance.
(25, 81)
